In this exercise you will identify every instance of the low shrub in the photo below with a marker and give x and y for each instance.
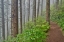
(32, 32)
(58, 16)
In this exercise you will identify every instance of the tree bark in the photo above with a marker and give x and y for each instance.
(14, 14)
(41, 7)
(48, 11)
(7, 17)
(34, 10)
(28, 10)
(57, 4)
(3, 21)
(21, 15)
(38, 8)
(24, 13)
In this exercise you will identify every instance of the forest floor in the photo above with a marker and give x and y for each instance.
(55, 33)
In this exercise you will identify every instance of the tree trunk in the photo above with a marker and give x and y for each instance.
(21, 15)
(34, 10)
(7, 16)
(38, 8)
(24, 14)
(48, 11)
(28, 10)
(14, 14)
(57, 4)
(3, 23)
(41, 7)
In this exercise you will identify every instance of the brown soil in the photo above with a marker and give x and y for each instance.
(55, 33)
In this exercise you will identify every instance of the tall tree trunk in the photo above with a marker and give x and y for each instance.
(7, 16)
(28, 10)
(21, 15)
(48, 11)
(24, 13)
(3, 23)
(57, 4)
(38, 8)
(14, 13)
(34, 10)
(41, 7)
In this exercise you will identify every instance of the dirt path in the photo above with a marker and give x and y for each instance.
(55, 34)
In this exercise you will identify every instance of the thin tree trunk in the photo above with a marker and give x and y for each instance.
(14, 13)
(57, 4)
(28, 10)
(41, 7)
(21, 14)
(3, 23)
(24, 13)
(34, 10)
(38, 8)
(7, 16)
(48, 11)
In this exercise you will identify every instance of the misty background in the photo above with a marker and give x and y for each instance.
(7, 13)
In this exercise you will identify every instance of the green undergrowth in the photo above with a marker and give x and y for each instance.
(58, 16)
(32, 32)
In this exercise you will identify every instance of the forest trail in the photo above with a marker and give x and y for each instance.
(55, 33)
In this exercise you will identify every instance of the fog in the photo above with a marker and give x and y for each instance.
(23, 10)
